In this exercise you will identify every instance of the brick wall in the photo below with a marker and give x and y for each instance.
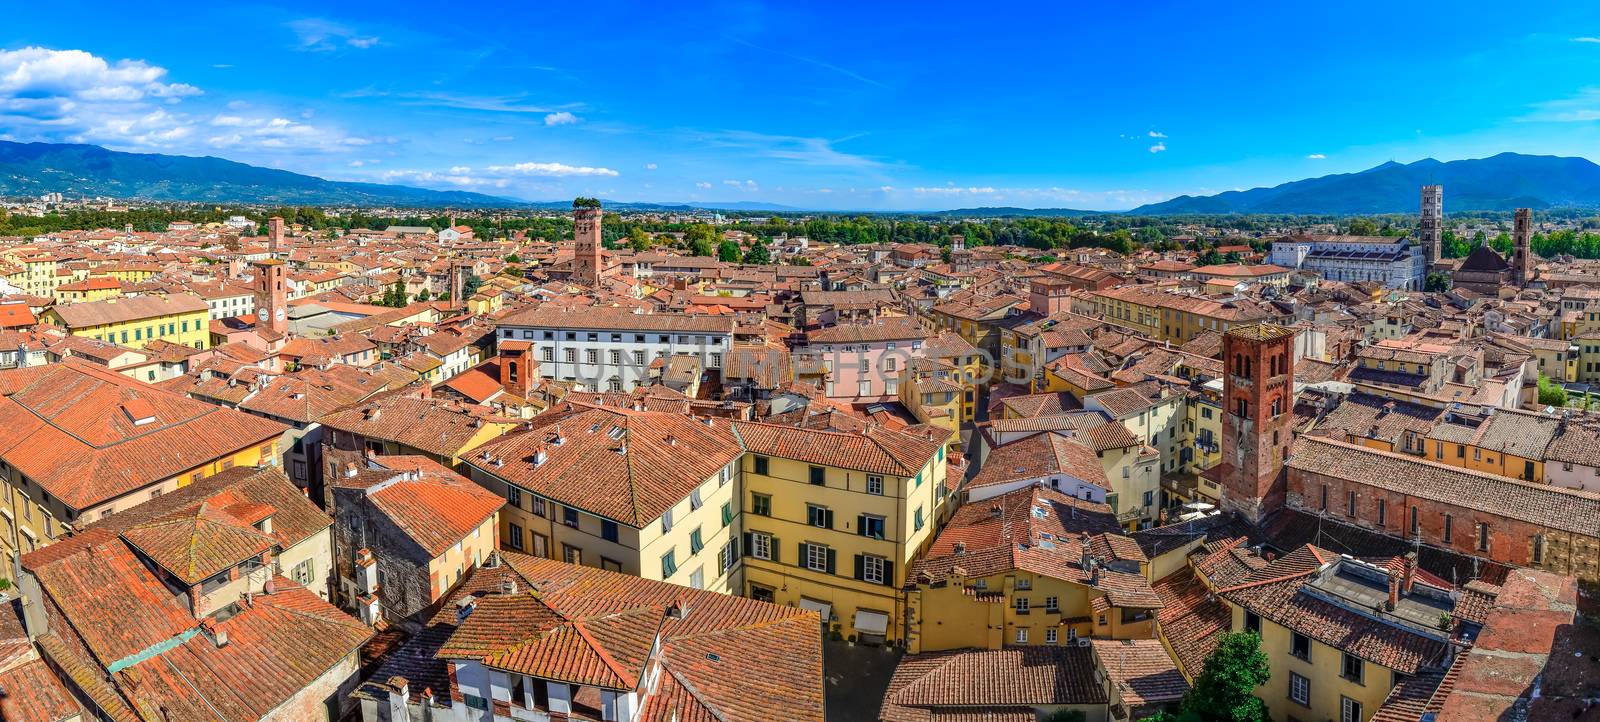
(1511, 541)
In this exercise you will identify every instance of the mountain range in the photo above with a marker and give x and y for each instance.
(28, 169)
(1497, 183)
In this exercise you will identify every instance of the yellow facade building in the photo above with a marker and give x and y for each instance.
(833, 521)
(137, 320)
(824, 520)
(61, 471)
(1029, 567)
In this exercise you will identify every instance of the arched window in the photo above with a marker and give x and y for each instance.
(511, 372)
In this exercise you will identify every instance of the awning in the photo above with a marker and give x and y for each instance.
(871, 622)
(823, 608)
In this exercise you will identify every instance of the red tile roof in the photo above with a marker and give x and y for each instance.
(433, 505)
(722, 657)
(55, 429)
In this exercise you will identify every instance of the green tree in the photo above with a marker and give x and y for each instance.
(513, 258)
(639, 239)
(728, 251)
(424, 294)
(1363, 227)
(701, 239)
(799, 261)
(471, 286)
(758, 255)
(395, 296)
(1436, 283)
(1551, 393)
(1225, 691)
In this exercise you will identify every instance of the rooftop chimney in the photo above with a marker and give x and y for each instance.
(1394, 592)
(1410, 570)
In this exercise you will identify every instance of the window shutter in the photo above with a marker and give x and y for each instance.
(805, 559)
(859, 567)
(888, 573)
(830, 561)
(827, 518)
(747, 544)
(861, 530)
(777, 556)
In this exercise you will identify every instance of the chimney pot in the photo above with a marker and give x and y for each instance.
(1394, 593)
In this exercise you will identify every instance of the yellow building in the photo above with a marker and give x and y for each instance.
(824, 520)
(1339, 633)
(833, 520)
(98, 288)
(128, 272)
(134, 321)
(1173, 317)
(976, 319)
(633, 512)
(1506, 442)
(926, 389)
(1029, 567)
(64, 469)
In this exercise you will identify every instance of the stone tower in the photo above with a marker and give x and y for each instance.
(272, 296)
(586, 242)
(1257, 418)
(1431, 225)
(1522, 247)
(274, 236)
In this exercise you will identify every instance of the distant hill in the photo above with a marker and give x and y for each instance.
(1498, 183)
(34, 168)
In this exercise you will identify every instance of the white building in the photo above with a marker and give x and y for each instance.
(1393, 262)
(611, 349)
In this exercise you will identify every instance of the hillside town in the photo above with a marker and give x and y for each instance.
(276, 472)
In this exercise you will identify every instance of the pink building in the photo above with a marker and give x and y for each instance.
(865, 360)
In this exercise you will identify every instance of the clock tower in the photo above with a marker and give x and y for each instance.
(272, 297)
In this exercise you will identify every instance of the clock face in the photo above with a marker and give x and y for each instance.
(280, 314)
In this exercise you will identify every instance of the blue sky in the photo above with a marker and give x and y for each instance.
(814, 105)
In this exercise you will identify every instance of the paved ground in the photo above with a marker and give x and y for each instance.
(855, 678)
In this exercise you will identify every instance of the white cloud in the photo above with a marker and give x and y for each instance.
(321, 36)
(794, 149)
(703, 184)
(953, 190)
(1155, 134)
(1586, 40)
(432, 178)
(886, 189)
(503, 138)
(357, 163)
(1581, 108)
(1158, 147)
(72, 77)
(561, 118)
(1316, 156)
(549, 169)
(77, 97)
(649, 166)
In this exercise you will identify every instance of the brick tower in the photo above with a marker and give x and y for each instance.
(272, 297)
(1257, 419)
(274, 236)
(586, 241)
(1431, 225)
(1522, 248)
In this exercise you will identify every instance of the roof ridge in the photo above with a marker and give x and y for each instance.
(599, 649)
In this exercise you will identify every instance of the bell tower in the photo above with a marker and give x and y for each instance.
(272, 296)
(1257, 418)
(1522, 248)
